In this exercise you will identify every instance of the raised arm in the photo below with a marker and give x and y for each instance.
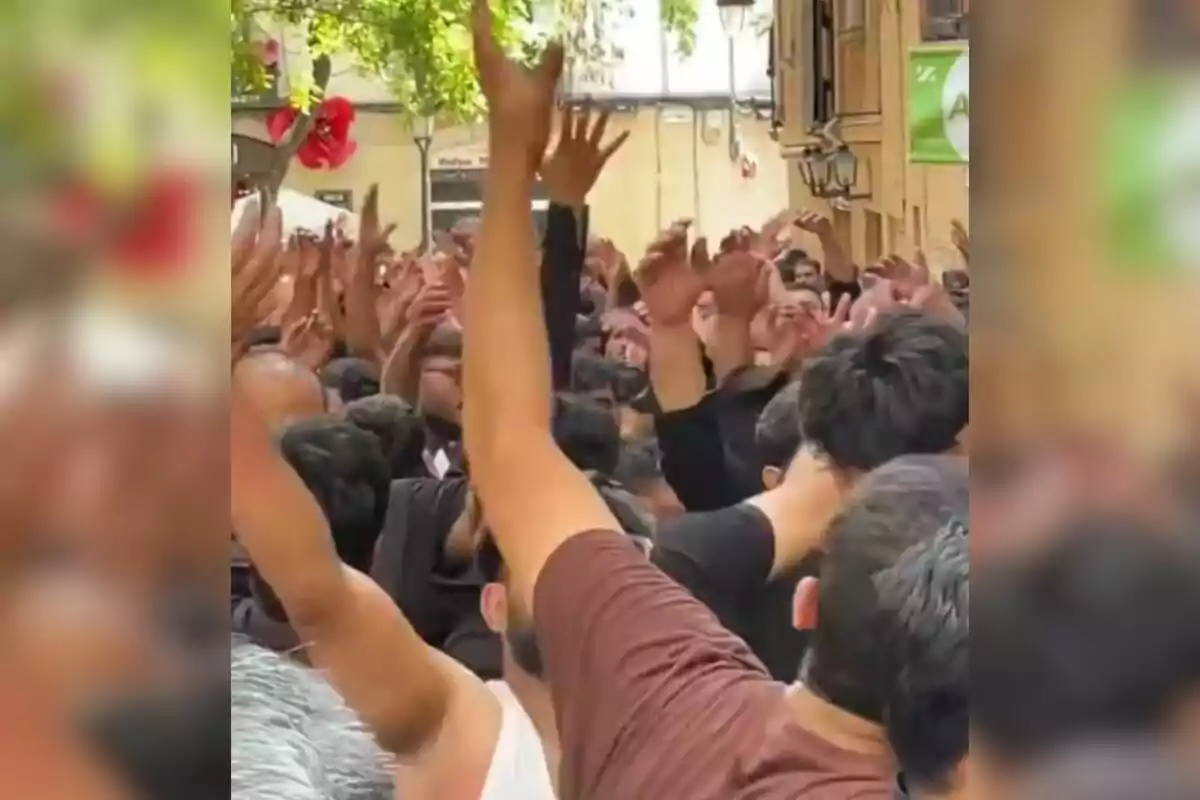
(375, 660)
(533, 497)
(568, 176)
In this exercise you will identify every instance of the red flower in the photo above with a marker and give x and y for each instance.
(328, 144)
(149, 235)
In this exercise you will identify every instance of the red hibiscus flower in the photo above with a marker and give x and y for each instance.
(328, 144)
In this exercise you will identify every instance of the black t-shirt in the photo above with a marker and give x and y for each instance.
(724, 559)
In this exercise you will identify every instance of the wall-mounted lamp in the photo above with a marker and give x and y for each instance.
(734, 14)
(830, 174)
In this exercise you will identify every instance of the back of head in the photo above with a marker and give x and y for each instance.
(924, 626)
(1093, 635)
(587, 433)
(398, 429)
(777, 433)
(292, 736)
(343, 467)
(900, 387)
(893, 508)
(351, 378)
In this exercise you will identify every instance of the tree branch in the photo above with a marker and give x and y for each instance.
(321, 70)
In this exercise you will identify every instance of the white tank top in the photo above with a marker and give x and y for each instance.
(518, 769)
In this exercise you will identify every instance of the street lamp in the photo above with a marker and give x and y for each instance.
(734, 14)
(830, 174)
(422, 137)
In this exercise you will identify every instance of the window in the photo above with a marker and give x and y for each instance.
(852, 15)
(874, 236)
(918, 231)
(843, 226)
(895, 233)
(945, 20)
(458, 193)
(858, 71)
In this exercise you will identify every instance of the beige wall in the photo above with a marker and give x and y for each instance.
(674, 165)
(914, 202)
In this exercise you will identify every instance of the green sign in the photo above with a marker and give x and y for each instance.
(939, 104)
(1150, 172)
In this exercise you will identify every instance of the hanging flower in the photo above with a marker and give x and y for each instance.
(328, 144)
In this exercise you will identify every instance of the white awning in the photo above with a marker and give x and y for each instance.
(304, 213)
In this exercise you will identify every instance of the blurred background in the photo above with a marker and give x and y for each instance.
(1082, 200)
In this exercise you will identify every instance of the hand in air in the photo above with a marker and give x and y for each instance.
(670, 278)
(738, 277)
(579, 156)
(519, 99)
(255, 263)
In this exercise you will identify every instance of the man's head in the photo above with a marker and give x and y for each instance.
(342, 466)
(397, 428)
(639, 471)
(892, 508)
(284, 389)
(351, 378)
(502, 609)
(1093, 635)
(440, 395)
(900, 387)
(595, 378)
(777, 434)
(587, 433)
(924, 626)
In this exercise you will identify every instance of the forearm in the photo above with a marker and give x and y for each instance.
(506, 378)
(676, 367)
(401, 373)
(732, 346)
(278, 522)
(838, 264)
(562, 266)
(363, 335)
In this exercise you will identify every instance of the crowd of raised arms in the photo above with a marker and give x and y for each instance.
(524, 517)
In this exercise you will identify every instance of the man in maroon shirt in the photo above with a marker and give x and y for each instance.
(653, 698)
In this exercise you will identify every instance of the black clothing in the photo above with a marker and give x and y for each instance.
(439, 600)
(724, 559)
(563, 250)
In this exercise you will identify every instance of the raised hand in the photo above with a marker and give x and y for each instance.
(815, 223)
(670, 278)
(429, 307)
(519, 99)
(255, 264)
(579, 156)
(738, 277)
(309, 341)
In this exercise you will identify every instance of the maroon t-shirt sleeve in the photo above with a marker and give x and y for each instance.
(653, 697)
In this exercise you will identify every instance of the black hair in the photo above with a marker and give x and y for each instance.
(640, 465)
(592, 373)
(1092, 635)
(777, 433)
(788, 263)
(891, 509)
(587, 433)
(924, 625)
(900, 387)
(352, 378)
(343, 467)
(397, 427)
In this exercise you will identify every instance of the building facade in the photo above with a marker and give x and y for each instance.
(849, 62)
(701, 147)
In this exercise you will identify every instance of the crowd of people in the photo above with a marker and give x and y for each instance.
(522, 525)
